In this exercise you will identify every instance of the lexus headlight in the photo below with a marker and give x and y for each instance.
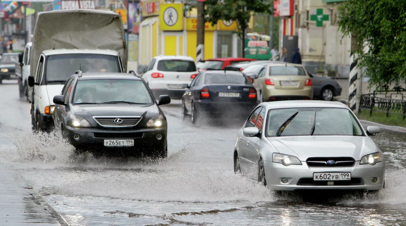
(286, 160)
(78, 121)
(371, 159)
(157, 121)
(4, 70)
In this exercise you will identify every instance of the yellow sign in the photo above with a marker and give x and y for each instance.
(171, 17)
(224, 25)
(150, 8)
(123, 14)
(191, 25)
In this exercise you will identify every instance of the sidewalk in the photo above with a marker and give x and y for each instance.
(20, 206)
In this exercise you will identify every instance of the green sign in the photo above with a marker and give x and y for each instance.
(319, 18)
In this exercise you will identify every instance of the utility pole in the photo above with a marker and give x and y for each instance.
(355, 78)
(24, 30)
(200, 31)
(271, 26)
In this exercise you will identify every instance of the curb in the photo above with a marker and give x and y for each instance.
(392, 128)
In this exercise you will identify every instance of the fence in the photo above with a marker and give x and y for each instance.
(391, 101)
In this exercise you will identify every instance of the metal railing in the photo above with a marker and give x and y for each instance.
(389, 101)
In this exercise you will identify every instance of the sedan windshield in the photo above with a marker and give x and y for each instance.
(286, 70)
(312, 122)
(111, 91)
(60, 67)
(9, 59)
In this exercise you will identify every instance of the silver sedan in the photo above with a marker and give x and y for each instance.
(300, 145)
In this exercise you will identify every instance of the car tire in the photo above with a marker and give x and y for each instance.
(184, 111)
(261, 173)
(21, 89)
(194, 115)
(327, 94)
(237, 166)
(162, 153)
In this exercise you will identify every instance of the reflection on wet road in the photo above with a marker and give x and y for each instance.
(195, 186)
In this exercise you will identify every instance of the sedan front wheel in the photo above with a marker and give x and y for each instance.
(261, 173)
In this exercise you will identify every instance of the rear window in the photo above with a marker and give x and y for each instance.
(212, 65)
(177, 65)
(238, 62)
(286, 70)
(225, 79)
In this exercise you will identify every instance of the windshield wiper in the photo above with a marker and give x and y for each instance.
(285, 124)
(116, 102)
(314, 124)
(86, 103)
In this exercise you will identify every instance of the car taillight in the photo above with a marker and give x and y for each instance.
(241, 69)
(157, 75)
(193, 76)
(308, 82)
(204, 93)
(253, 94)
(252, 80)
(269, 82)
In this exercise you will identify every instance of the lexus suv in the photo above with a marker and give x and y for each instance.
(111, 111)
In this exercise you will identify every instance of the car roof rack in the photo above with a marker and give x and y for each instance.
(79, 73)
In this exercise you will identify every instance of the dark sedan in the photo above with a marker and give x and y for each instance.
(7, 66)
(217, 93)
(111, 111)
(325, 88)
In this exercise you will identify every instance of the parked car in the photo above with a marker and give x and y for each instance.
(7, 66)
(221, 63)
(325, 88)
(218, 92)
(304, 145)
(168, 74)
(111, 110)
(283, 81)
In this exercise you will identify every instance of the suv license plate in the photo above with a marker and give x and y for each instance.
(331, 176)
(289, 83)
(229, 94)
(118, 143)
(175, 86)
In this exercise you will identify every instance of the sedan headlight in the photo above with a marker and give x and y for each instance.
(4, 70)
(371, 159)
(157, 121)
(286, 160)
(78, 121)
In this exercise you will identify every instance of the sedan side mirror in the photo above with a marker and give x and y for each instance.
(31, 81)
(59, 99)
(373, 130)
(250, 131)
(164, 99)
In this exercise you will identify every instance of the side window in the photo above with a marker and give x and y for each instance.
(260, 120)
(151, 65)
(26, 53)
(251, 122)
(262, 73)
(40, 69)
(29, 56)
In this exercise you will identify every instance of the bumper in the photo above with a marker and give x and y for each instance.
(174, 94)
(300, 177)
(270, 93)
(165, 87)
(338, 91)
(94, 137)
(236, 108)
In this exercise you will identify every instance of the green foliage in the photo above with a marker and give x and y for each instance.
(380, 26)
(238, 10)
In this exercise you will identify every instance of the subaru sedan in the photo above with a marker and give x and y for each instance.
(305, 145)
(112, 111)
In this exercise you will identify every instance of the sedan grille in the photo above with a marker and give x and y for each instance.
(311, 182)
(330, 162)
(117, 121)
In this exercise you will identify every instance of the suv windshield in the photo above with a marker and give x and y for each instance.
(225, 78)
(60, 67)
(9, 59)
(286, 70)
(111, 91)
(177, 65)
(312, 121)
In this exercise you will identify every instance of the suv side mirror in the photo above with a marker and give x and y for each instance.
(164, 99)
(250, 131)
(31, 81)
(59, 99)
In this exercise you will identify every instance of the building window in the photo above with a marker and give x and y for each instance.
(224, 45)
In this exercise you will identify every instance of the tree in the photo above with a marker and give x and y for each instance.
(380, 26)
(236, 10)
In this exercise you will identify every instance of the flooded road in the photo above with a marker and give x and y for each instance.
(196, 185)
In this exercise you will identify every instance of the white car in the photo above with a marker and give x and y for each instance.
(309, 145)
(170, 75)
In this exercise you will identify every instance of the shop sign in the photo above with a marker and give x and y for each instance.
(171, 17)
(224, 25)
(286, 7)
(150, 8)
(77, 4)
(257, 44)
(123, 15)
(191, 25)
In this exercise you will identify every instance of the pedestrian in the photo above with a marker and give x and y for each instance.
(274, 53)
(296, 57)
(10, 46)
(283, 55)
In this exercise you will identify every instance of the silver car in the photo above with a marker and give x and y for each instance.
(299, 145)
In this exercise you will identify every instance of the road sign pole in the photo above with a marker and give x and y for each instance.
(200, 31)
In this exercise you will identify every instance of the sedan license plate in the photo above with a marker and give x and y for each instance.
(331, 176)
(229, 94)
(175, 86)
(118, 143)
(289, 83)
